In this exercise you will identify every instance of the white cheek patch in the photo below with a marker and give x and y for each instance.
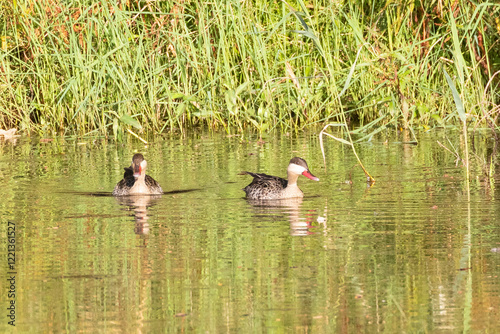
(296, 169)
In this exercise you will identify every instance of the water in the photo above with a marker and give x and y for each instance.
(416, 252)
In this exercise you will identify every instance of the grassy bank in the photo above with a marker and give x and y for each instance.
(80, 67)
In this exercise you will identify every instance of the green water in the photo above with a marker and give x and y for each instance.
(416, 252)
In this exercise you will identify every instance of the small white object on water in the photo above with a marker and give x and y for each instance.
(8, 134)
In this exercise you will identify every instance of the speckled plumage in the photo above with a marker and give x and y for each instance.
(135, 181)
(123, 187)
(265, 186)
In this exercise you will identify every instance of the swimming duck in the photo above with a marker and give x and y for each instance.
(266, 186)
(135, 181)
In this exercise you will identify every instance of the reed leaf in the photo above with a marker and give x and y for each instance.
(456, 97)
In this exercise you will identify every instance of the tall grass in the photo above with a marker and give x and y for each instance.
(81, 67)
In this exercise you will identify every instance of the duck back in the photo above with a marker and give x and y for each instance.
(126, 185)
(265, 186)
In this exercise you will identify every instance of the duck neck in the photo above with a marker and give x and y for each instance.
(141, 178)
(292, 179)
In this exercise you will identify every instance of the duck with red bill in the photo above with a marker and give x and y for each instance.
(266, 186)
(135, 181)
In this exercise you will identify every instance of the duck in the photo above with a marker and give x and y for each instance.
(265, 186)
(135, 181)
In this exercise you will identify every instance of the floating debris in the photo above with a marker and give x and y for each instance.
(8, 134)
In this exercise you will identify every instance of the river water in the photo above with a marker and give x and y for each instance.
(418, 251)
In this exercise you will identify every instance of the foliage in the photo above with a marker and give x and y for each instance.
(84, 67)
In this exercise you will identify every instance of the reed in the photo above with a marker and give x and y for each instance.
(112, 68)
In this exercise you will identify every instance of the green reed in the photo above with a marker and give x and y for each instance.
(79, 67)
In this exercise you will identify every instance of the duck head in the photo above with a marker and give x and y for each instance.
(138, 165)
(299, 166)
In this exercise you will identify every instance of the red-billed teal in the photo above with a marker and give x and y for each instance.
(135, 181)
(266, 186)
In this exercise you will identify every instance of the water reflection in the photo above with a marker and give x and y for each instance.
(289, 208)
(139, 204)
(413, 253)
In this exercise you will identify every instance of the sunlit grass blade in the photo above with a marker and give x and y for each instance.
(351, 72)
(456, 97)
(457, 50)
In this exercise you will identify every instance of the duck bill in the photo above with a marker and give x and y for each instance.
(308, 174)
(137, 171)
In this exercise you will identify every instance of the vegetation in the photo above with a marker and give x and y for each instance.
(84, 67)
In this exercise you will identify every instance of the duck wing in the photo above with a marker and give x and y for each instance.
(123, 187)
(153, 186)
(264, 186)
(264, 178)
(129, 171)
